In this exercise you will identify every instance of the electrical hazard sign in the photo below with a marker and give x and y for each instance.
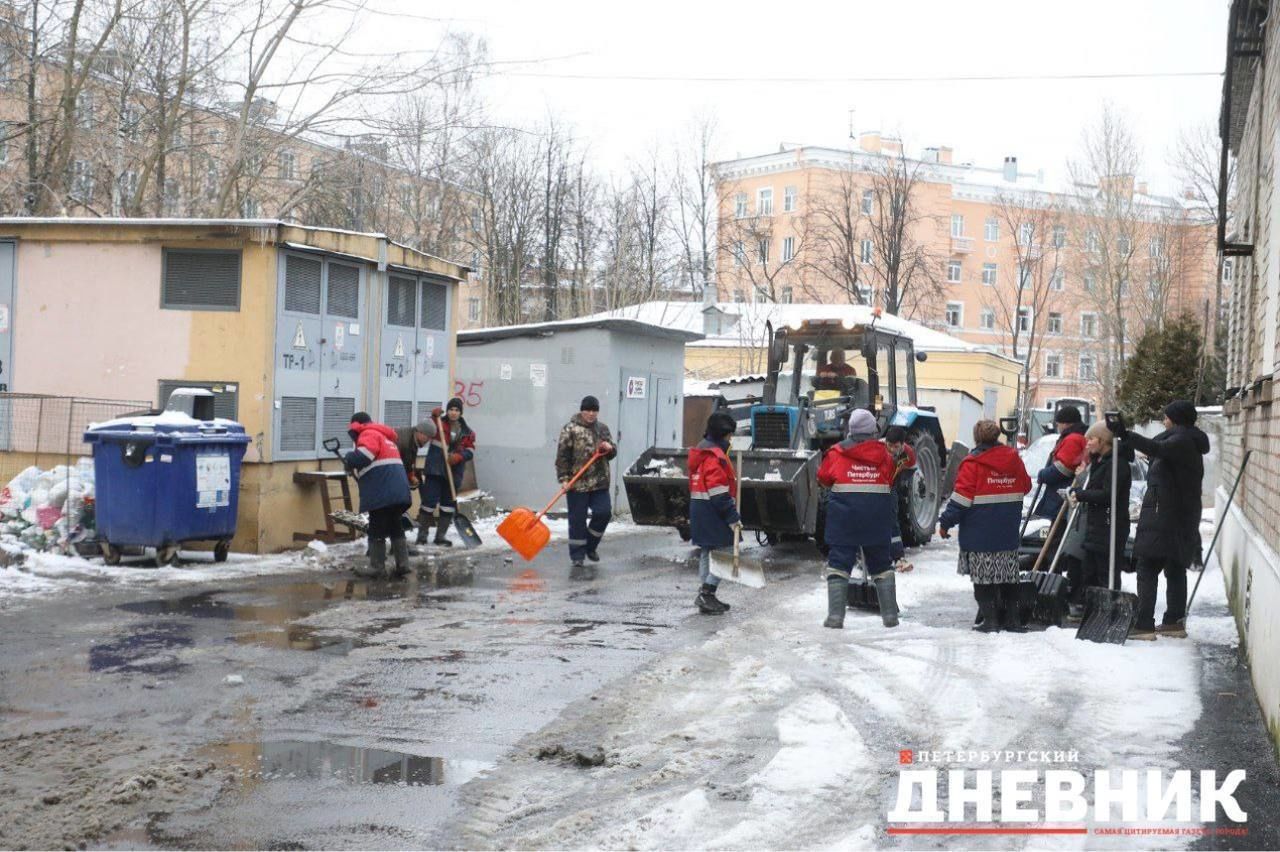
(399, 353)
(299, 337)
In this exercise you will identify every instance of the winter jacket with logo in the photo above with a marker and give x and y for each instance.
(577, 444)
(987, 500)
(1169, 525)
(1095, 501)
(378, 468)
(459, 438)
(1060, 470)
(713, 485)
(861, 510)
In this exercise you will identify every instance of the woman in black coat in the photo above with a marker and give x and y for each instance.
(1168, 537)
(1095, 503)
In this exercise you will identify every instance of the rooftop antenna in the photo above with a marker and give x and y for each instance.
(851, 112)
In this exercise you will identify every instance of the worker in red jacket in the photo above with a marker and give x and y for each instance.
(384, 491)
(713, 514)
(860, 517)
(986, 504)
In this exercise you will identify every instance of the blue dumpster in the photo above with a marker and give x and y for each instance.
(165, 480)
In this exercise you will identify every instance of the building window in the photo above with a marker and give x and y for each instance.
(1089, 281)
(1058, 280)
(1227, 269)
(865, 294)
(82, 179)
(1026, 233)
(763, 250)
(1052, 366)
(740, 205)
(1123, 245)
(865, 257)
(953, 271)
(249, 208)
(786, 295)
(128, 185)
(739, 297)
(739, 254)
(1091, 241)
(1024, 319)
(1024, 276)
(789, 199)
(987, 321)
(1089, 325)
(172, 197)
(868, 201)
(1055, 322)
(989, 274)
(287, 165)
(991, 229)
(200, 280)
(955, 314)
(1156, 247)
(84, 110)
(1153, 289)
(957, 225)
(473, 309)
(788, 248)
(1059, 236)
(130, 122)
(1087, 371)
(1123, 289)
(764, 201)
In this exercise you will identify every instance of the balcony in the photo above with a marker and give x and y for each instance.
(962, 245)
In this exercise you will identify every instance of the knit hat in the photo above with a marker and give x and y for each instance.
(426, 427)
(862, 423)
(456, 402)
(720, 425)
(1067, 414)
(589, 403)
(1181, 412)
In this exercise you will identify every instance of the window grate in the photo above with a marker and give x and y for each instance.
(435, 301)
(225, 402)
(344, 291)
(201, 280)
(400, 301)
(397, 413)
(425, 407)
(298, 424)
(301, 285)
(336, 417)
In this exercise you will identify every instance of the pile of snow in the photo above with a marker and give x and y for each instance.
(48, 510)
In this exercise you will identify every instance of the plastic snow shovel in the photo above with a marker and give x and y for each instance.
(1109, 615)
(736, 567)
(461, 523)
(862, 592)
(525, 531)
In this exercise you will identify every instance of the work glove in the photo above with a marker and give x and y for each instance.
(603, 448)
(1118, 428)
(902, 566)
(944, 532)
(455, 459)
(413, 479)
(437, 413)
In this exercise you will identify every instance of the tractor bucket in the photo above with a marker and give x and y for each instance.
(525, 532)
(779, 490)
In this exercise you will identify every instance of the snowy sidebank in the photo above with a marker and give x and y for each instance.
(776, 733)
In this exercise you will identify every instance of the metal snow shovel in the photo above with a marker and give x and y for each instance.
(1221, 517)
(1109, 615)
(862, 591)
(461, 522)
(525, 531)
(745, 570)
(332, 445)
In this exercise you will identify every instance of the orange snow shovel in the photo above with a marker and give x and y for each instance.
(525, 531)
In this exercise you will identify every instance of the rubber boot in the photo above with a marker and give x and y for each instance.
(400, 550)
(442, 529)
(424, 527)
(1010, 610)
(377, 558)
(887, 595)
(837, 601)
(987, 597)
(707, 602)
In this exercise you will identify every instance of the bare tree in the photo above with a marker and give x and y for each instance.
(505, 181)
(694, 210)
(754, 247)
(906, 269)
(838, 226)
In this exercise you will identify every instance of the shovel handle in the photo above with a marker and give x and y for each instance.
(1053, 529)
(547, 508)
(1034, 500)
(444, 452)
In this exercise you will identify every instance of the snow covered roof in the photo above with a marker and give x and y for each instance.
(634, 325)
(745, 322)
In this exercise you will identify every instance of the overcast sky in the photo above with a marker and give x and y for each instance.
(1037, 121)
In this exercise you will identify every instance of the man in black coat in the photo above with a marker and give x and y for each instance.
(1168, 536)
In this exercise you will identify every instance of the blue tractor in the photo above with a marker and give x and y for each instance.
(818, 372)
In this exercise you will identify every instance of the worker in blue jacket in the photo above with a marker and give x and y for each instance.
(384, 491)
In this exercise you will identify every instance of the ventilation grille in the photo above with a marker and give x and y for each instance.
(425, 408)
(344, 291)
(208, 280)
(336, 417)
(302, 285)
(400, 302)
(298, 424)
(397, 413)
(435, 303)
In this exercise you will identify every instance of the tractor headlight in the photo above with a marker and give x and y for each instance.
(795, 324)
(848, 323)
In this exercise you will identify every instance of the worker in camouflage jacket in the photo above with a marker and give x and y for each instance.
(582, 437)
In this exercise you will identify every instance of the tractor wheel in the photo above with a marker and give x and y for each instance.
(919, 504)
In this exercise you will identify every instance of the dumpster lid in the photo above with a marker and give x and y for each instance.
(167, 421)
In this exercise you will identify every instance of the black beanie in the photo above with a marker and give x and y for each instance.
(1181, 412)
(720, 425)
(1067, 414)
(456, 402)
(589, 403)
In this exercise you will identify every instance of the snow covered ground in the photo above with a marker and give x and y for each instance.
(776, 732)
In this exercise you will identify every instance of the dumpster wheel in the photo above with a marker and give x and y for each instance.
(221, 550)
(110, 553)
(167, 555)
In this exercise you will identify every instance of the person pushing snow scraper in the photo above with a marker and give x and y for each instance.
(861, 517)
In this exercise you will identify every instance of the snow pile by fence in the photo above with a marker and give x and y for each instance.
(49, 510)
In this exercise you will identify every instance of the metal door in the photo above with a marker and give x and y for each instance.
(399, 351)
(666, 412)
(341, 364)
(634, 433)
(431, 385)
(299, 293)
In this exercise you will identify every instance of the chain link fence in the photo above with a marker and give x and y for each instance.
(45, 473)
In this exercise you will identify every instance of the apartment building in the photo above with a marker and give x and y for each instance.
(1012, 259)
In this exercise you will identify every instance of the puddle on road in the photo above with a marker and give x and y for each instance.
(256, 763)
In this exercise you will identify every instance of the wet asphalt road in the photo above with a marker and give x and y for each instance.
(356, 708)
